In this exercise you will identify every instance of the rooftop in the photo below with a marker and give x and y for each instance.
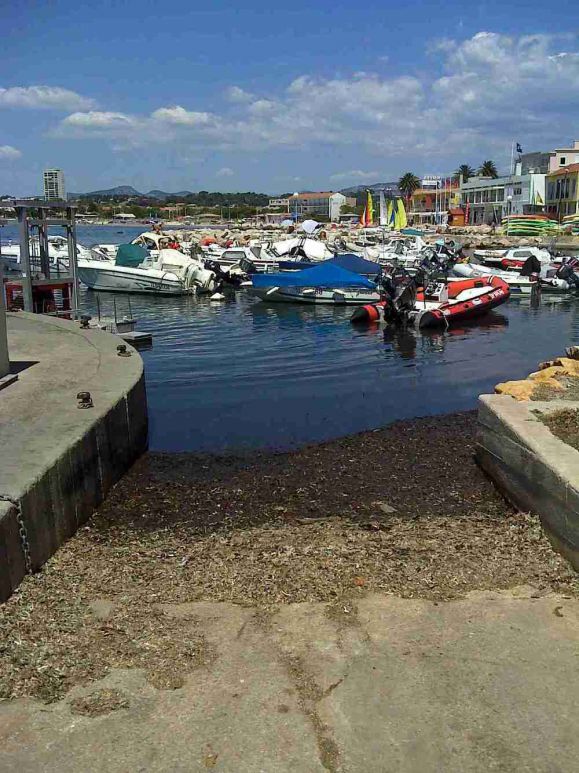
(570, 169)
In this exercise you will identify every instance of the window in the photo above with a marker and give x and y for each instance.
(517, 191)
(562, 161)
(478, 197)
(551, 193)
(501, 194)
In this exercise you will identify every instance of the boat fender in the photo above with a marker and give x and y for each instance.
(368, 313)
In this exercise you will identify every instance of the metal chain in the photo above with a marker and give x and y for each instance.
(22, 532)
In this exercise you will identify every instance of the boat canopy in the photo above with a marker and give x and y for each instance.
(130, 255)
(356, 264)
(326, 274)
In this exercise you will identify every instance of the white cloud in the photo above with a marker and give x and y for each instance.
(8, 152)
(354, 174)
(462, 108)
(225, 171)
(43, 97)
(179, 116)
(236, 94)
(95, 123)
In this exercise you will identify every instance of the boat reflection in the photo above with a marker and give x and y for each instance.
(405, 340)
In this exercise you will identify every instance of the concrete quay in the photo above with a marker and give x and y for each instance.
(59, 461)
(485, 683)
(536, 470)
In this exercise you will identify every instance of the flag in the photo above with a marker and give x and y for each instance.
(369, 211)
(538, 199)
(519, 148)
(363, 217)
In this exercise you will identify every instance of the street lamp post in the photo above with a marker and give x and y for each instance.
(295, 198)
(509, 211)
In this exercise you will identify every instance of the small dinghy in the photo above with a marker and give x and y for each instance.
(443, 303)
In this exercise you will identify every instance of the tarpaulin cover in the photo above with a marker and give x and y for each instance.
(130, 255)
(326, 274)
(356, 264)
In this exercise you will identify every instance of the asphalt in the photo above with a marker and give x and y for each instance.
(485, 683)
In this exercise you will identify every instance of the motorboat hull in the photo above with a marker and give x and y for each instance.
(107, 277)
(327, 296)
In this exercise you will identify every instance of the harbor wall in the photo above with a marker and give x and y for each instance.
(533, 468)
(58, 463)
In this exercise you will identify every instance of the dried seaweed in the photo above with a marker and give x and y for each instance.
(404, 510)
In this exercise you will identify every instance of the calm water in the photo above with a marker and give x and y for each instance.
(241, 374)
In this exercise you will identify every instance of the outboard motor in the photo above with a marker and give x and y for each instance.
(247, 266)
(567, 274)
(531, 266)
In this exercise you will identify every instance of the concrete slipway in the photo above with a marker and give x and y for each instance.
(486, 683)
(57, 460)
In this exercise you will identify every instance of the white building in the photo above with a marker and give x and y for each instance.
(54, 185)
(486, 199)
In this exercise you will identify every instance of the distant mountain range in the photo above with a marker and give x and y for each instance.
(128, 190)
(354, 189)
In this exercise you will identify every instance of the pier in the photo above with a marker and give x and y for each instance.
(70, 426)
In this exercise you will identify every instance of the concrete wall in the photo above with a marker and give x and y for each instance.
(535, 470)
(59, 465)
(4, 358)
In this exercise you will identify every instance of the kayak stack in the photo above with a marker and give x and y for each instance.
(573, 221)
(529, 225)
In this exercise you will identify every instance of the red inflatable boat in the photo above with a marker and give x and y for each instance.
(446, 303)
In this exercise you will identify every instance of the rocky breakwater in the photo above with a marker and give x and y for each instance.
(529, 444)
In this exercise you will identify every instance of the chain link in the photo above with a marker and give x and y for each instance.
(22, 532)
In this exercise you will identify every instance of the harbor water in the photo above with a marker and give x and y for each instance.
(240, 374)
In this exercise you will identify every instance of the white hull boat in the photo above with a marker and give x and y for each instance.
(168, 273)
(310, 295)
(518, 285)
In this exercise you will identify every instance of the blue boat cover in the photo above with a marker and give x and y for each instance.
(348, 261)
(356, 264)
(325, 274)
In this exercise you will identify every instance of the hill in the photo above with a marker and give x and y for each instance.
(353, 190)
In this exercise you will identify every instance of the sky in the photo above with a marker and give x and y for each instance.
(239, 95)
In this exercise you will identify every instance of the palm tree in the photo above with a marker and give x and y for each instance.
(408, 183)
(488, 169)
(465, 171)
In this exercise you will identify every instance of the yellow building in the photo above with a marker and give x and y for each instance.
(562, 191)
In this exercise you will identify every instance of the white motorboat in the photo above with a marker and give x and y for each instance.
(516, 254)
(547, 280)
(57, 250)
(134, 270)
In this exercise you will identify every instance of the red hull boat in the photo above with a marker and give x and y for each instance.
(449, 303)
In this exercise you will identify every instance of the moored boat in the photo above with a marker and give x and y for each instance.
(443, 304)
(134, 270)
(325, 283)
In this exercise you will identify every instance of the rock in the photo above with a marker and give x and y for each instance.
(572, 352)
(548, 373)
(520, 390)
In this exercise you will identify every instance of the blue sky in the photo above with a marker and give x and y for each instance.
(278, 97)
